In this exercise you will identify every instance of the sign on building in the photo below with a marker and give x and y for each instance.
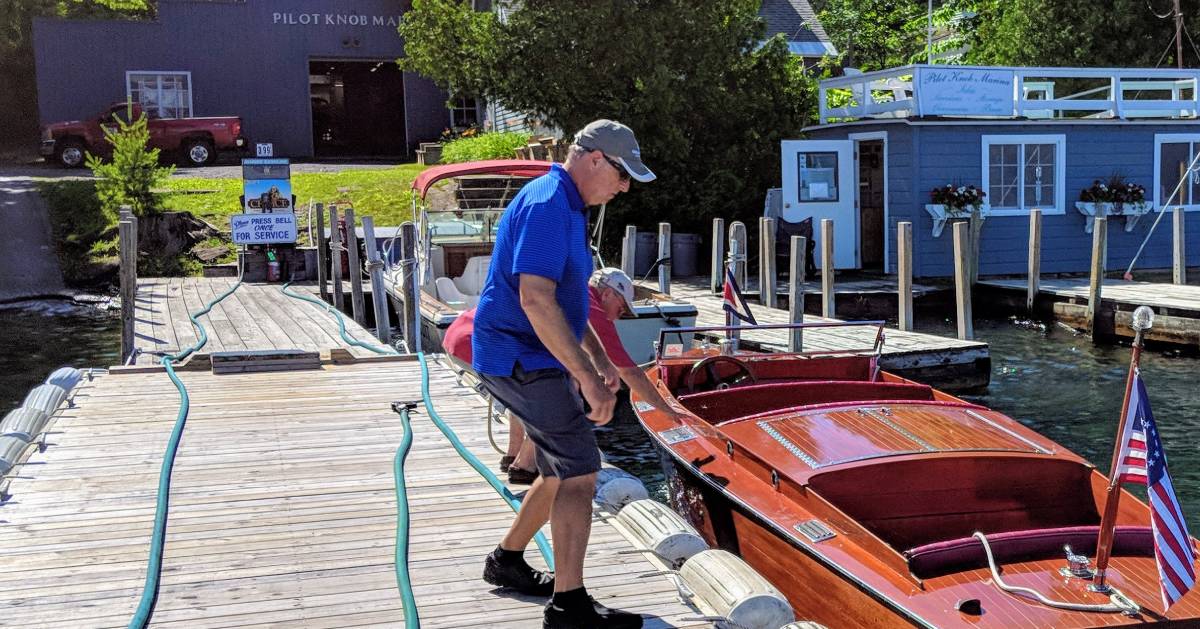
(263, 229)
(950, 91)
(266, 185)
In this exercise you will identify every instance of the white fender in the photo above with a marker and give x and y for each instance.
(731, 588)
(656, 527)
(616, 488)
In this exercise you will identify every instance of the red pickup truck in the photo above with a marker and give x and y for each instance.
(195, 140)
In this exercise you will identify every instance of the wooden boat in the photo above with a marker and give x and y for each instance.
(454, 248)
(859, 494)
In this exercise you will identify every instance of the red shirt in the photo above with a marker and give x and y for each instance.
(458, 336)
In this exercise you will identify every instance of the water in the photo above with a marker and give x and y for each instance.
(1048, 378)
(38, 337)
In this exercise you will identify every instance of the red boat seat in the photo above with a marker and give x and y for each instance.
(719, 406)
(957, 555)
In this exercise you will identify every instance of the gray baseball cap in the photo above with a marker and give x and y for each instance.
(616, 141)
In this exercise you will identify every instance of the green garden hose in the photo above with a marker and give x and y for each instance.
(403, 581)
(150, 590)
(340, 321)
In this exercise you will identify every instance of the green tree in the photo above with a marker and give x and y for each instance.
(707, 97)
(133, 173)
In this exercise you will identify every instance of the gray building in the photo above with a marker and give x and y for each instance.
(314, 77)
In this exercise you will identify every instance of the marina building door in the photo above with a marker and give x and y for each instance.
(820, 181)
(870, 160)
(357, 108)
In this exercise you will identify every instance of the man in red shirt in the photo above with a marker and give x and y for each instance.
(610, 294)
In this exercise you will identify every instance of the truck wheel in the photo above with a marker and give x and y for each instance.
(69, 153)
(198, 152)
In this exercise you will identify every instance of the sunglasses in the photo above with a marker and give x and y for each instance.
(621, 172)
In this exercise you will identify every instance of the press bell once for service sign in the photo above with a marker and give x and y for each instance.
(267, 202)
(263, 229)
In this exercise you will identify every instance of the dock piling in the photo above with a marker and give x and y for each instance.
(127, 256)
(737, 251)
(976, 226)
(796, 291)
(766, 262)
(1096, 278)
(718, 256)
(1179, 263)
(335, 256)
(322, 254)
(664, 251)
(1035, 258)
(962, 281)
(357, 304)
(410, 324)
(828, 307)
(629, 250)
(383, 325)
(904, 275)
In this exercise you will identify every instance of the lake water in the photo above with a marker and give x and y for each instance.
(1048, 377)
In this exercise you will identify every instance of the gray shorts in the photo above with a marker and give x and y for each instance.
(552, 411)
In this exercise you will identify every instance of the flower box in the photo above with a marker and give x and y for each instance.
(1131, 211)
(941, 215)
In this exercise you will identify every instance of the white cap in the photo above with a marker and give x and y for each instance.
(614, 278)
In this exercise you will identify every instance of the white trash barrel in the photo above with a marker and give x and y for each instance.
(26, 423)
(656, 527)
(731, 588)
(45, 397)
(616, 488)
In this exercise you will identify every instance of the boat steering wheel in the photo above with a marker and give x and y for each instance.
(715, 382)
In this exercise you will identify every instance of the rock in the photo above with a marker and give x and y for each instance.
(169, 234)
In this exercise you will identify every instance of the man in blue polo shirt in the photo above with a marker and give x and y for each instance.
(535, 354)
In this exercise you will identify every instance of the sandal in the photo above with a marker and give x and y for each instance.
(518, 476)
(505, 462)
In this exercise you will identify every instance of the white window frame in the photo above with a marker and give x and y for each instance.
(1170, 138)
(191, 112)
(1060, 172)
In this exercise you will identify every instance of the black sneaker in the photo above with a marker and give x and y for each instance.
(598, 617)
(518, 576)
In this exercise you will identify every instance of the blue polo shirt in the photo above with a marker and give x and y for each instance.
(543, 232)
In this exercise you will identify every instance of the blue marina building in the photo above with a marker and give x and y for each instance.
(1028, 137)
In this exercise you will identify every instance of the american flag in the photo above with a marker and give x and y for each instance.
(733, 299)
(1142, 460)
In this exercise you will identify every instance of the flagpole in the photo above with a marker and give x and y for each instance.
(1143, 319)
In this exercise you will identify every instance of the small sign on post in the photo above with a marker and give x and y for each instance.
(264, 149)
(266, 185)
(263, 229)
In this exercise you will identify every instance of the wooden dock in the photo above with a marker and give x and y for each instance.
(1176, 306)
(282, 506)
(939, 361)
(255, 317)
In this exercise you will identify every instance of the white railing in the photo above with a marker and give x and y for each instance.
(1008, 92)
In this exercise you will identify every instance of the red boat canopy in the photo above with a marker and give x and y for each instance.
(510, 167)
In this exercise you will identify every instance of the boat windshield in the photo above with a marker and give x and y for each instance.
(462, 225)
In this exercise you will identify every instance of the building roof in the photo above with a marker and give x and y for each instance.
(798, 23)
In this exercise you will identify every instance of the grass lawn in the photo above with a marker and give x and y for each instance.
(87, 239)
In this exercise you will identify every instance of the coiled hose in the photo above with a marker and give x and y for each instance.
(145, 607)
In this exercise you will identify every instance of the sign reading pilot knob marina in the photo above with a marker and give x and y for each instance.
(263, 229)
(965, 92)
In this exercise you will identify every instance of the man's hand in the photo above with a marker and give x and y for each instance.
(600, 398)
(612, 377)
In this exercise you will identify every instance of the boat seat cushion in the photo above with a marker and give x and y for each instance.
(956, 555)
(448, 292)
(474, 275)
(719, 406)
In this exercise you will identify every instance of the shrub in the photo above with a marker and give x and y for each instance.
(497, 145)
(133, 172)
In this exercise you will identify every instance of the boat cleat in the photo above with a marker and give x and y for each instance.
(1078, 566)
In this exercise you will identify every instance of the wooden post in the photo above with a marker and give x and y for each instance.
(737, 253)
(1096, 281)
(127, 256)
(1035, 258)
(322, 254)
(962, 280)
(335, 257)
(1179, 265)
(717, 282)
(410, 323)
(976, 225)
(904, 275)
(357, 304)
(629, 250)
(766, 262)
(383, 325)
(796, 292)
(664, 251)
(828, 307)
